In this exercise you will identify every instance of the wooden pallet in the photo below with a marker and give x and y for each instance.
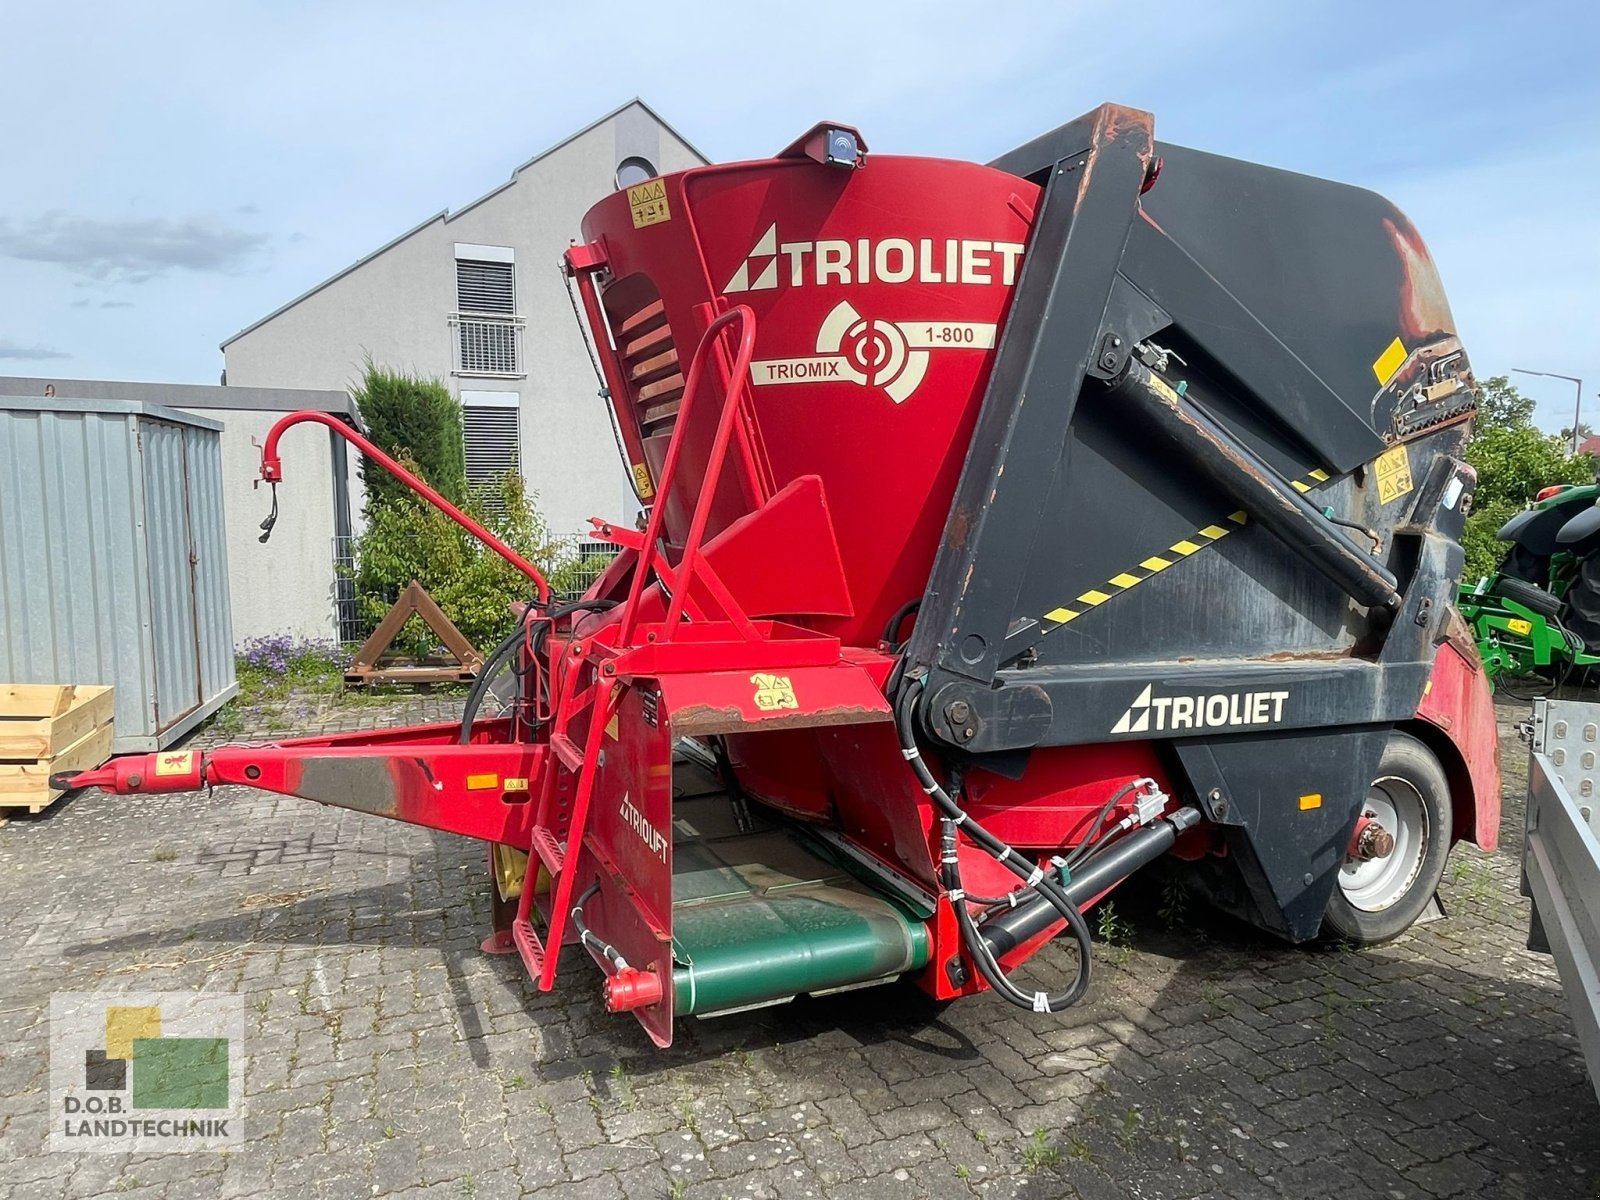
(45, 728)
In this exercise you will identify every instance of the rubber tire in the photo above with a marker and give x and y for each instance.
(1412, 761)
(1534, 599)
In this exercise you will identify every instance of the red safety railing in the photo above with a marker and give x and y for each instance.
(272, 473)
(736, 414)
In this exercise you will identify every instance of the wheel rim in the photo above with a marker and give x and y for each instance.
(1375, 884)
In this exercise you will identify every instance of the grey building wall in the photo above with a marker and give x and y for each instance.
(395, 305)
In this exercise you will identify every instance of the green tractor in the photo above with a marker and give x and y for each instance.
(1539, 613)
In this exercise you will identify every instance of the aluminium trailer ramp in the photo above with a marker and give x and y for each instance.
(1561, 857)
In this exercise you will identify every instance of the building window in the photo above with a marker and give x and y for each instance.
(634, 170)
(487, 332)
(486, 287)
(491, 428)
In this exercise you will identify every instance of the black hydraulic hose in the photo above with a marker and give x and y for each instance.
(1033, 876)
(1097, 830)
(1006, 930)
(900, 614)
(589, 938)
(480, 685)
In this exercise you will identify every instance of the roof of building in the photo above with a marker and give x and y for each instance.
(445, 215)
(189, 395)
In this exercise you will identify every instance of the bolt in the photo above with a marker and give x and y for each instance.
(958, 711)
(135, 780)
(1309, 878)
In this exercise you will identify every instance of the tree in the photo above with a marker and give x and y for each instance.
(416, 420)
(1514, 459)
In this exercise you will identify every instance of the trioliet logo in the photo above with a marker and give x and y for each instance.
(1219, 710)
(825, 261)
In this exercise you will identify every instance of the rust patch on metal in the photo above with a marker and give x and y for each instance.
(1282, 656)
(1423, 307)
(710, 718)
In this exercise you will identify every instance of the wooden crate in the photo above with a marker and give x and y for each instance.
(46, 728)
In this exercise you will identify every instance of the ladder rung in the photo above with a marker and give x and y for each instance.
(568, 751)
(528, 946)
(549, 850)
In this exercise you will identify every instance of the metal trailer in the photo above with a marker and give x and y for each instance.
(1561, 857)
(1010, 527)
(114, 559)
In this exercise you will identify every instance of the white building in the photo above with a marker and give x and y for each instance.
(476, 298)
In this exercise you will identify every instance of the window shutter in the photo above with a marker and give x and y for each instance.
(486, 287)
(493, 442)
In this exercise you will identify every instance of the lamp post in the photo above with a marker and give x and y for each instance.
(1577, 406)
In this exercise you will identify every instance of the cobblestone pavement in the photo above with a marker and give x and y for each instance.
(387, 1056)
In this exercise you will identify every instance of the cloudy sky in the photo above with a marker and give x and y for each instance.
(176, 170)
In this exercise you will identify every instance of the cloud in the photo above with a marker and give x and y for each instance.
(116, 304)
(129, 251)
(10, 349)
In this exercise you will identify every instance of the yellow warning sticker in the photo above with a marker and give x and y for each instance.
(1390, 361)
(1519, 627)
(614, 727)
(773, 692)
(649, 203)
(517, 784)
(477, 783)
(179, 763)
(1314, 800)
(1393, 470)
(641, 481)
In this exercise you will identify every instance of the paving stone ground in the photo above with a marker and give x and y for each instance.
(387, 1057)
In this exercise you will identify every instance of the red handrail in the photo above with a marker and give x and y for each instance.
(272, 472)
(732, 404)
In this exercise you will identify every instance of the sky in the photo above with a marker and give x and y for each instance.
(174, 171)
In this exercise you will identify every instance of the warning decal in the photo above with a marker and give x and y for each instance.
(649, 203)
(1393, 471)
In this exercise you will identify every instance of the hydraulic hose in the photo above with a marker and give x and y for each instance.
(492, 664)
(1034, 877)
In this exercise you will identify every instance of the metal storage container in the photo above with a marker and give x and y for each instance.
(113, 560)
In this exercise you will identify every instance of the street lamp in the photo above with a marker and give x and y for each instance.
(1577, 407)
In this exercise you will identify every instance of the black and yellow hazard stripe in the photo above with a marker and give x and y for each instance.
(1150, 567)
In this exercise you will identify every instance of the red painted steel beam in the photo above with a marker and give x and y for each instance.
(478, 791)
(272, 472)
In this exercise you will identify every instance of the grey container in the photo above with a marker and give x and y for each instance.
(113, 560)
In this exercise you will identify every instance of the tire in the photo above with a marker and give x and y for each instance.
(1378, 899)
(1534, 599)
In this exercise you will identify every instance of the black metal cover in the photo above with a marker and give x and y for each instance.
(1214, 492)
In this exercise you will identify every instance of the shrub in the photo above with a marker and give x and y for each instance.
(407, 539)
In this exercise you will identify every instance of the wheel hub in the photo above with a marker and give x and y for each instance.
(1387, 847)
(1371, 840)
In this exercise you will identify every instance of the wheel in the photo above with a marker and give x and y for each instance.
(1534, 599)
(1379, 895)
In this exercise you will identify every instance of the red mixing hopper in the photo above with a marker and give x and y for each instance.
(872, 350)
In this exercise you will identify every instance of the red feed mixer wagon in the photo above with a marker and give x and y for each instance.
(1010, 527)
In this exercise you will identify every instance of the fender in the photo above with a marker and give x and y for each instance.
(1456, 720)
